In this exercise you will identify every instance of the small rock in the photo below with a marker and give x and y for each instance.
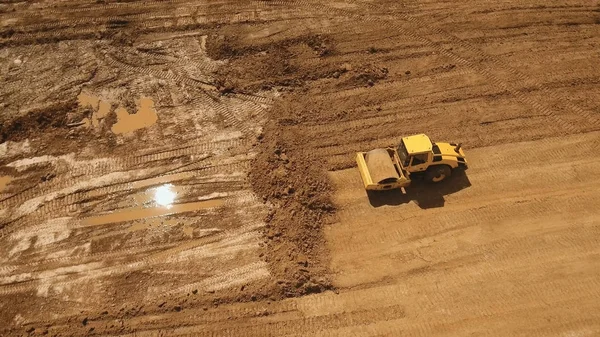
(302, 260)
(85, 321)
(162, 304)
(177, 308)
(407, 72)
(30, 330)
(104, 313)
(345, 67)
(195, 291)
(336, 74)
(48, 176)
(284, 157)
(370, 83)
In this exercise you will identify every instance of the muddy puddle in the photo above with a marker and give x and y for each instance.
(163, 195)
(100, 108)
(143, 118)
(4, 180)
(132, 214)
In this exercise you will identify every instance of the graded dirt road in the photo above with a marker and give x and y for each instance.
(187, 168)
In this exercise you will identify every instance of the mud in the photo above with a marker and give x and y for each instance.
(127, 215)
(185, 168)
(4, 181)
(144, 117)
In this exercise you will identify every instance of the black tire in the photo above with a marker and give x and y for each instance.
(437, 173)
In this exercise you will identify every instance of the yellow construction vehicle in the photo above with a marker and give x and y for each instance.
(416, 156)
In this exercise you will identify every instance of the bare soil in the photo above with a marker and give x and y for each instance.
(265, 228)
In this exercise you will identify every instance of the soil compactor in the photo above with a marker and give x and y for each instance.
(415, 156)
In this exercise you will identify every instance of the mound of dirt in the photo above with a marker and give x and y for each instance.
(261, 67)
(286, 176)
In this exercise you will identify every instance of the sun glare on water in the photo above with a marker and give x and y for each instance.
(164, 196)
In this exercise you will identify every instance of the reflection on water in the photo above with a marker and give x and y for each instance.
(132, 214)
(164, 195)
(145, 117)
(160, 202)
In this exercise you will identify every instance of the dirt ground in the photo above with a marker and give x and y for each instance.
(187, 168)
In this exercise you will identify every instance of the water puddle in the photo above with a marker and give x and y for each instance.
(142, 213)
(143, 118)
(4, 180)
(163, 195)
(86, 101)
(101, 108)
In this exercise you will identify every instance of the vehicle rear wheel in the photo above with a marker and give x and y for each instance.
(437, 173)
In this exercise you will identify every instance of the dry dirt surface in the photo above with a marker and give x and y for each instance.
(187, 168)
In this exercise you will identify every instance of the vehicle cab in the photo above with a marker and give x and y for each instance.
(418, 152)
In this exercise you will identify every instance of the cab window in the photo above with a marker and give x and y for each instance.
(419, 159)
(403, 154)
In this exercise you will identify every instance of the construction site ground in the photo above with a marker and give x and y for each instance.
(187, 168)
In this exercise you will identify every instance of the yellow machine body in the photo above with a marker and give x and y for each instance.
(390, 168)
(380, 169)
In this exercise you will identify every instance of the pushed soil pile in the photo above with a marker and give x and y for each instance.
(288, 177)
(284, 174)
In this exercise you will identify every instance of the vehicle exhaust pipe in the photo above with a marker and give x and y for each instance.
(457, 148)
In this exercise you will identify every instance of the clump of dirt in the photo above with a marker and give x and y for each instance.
(366, 76)
(286, 176)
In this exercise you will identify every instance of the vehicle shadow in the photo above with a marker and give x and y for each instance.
(426, 195)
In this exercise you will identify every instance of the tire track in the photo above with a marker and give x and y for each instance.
(58, 200)
(107, 165)
(245, 199)
(140, 263)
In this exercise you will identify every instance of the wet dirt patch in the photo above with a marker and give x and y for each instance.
(144, 213)
(100, 109)
(52, 116)
(144, 117)
(4, 180)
